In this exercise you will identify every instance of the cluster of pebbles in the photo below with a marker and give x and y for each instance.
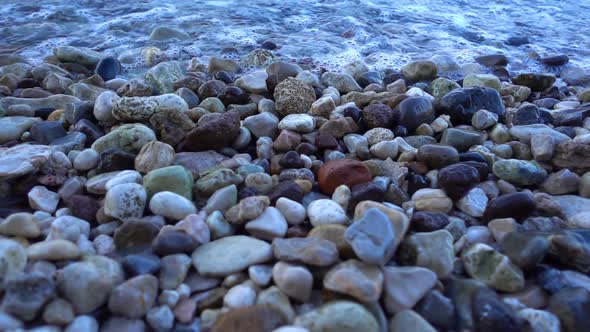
(203, 197)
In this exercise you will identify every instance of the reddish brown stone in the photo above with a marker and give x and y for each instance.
(342, 171)
(216, 133)
(185, 310)
(83, 207)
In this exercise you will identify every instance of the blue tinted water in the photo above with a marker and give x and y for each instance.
(330, 33)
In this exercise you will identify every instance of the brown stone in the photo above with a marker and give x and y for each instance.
(83, 207)
(260, 318)
(342, 172)
(216, 133)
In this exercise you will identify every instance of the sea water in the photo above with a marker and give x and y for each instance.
(322, 33)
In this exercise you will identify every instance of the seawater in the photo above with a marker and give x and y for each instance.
(328, 33)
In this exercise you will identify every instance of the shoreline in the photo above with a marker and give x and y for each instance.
(215, 197)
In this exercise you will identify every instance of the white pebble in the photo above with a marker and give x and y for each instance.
(86, 160)
(239, 296)
(326, 211)
(171, 205)
(291, 210)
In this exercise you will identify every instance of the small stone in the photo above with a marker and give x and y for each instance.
(160, 318)
(344, 83)
(379, 115)
(58, 312)
(86, 285)
(83, 323)
(125, 201)
(361, 280)
(437, 156)
(140, 290)
(342, 171)
(457, 179)
(293, 96)
(294, 280)
(527, 114)
(405, 286)
(432, 250)
(539, 320)
(68, 228)
(474, 203)
(47, 131)
(484, 263)
(288, 189)
(171, 205)
(409, 320)
(490, 313)
(326, 211)
(537, 82)
(13, 258)
(519, 172)
(524, 250)
(420, 71)
(42, 199)
(118, 323)
(299, 123)
(174, 269)
(542, 147)
(515, 205)
(274, 297)
(415, 111)
(229, 255)
(293, 212)
(81, 55)
(385, 149)
(254, 82)
(154, 155)
(260, 274)
(212, 180)
(54, 250)
(441, 86)
(176, 179)
(377, 135)
(428, 221)
(248, 209)
(259, 317)
(437, 310)
(239, 296)
(562, 182)
(86, 160)
(263, 124)
(169, 242)
(342, 316)
(269, 225)
(432, 200)
(20, 224)
(139, 264)
(372, 237)
(222, 199)
(129, 137)
(311, 251)
(462, 140)
(570, 306)
(461, 104)
(482, 80)
(26, 294)
(219, 131)
(483, 119)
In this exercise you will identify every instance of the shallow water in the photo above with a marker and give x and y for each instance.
(330, 33)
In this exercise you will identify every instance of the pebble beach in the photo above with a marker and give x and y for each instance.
(255, 189)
